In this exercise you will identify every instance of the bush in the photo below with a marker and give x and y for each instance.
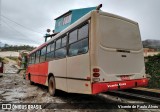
(153, 69)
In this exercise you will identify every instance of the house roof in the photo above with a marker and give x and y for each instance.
(71, 11)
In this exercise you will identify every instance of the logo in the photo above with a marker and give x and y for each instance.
(6, 106)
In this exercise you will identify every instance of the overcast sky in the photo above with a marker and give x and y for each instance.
(38, 15)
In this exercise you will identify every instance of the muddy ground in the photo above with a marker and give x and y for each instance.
(15, 89)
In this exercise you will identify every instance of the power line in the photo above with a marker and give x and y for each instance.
(12, 28)
(21, 25)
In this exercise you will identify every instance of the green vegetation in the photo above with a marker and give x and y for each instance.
(13, 58)
(153, 69)
(4, 60)
(16, 48)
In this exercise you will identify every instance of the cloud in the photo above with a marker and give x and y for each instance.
(39, 15)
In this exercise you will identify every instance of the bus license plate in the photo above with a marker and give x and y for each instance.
(125, 77)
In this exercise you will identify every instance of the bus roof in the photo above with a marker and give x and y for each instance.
(39, 47)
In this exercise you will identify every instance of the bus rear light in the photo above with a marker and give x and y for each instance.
(96, 74)
(96, 70)
(96, 79)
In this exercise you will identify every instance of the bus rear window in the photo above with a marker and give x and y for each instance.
(119, 34)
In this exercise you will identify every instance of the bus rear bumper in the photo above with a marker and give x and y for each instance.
(109, 86)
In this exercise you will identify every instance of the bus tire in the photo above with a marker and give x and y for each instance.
(31, 82)
(29, 77)
(51, 86)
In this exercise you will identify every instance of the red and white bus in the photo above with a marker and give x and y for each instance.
(99, 52)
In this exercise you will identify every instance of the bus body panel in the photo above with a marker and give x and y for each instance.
(58, 69)
(38, 72)
(117, 34)
(78, 74)
(117, 52)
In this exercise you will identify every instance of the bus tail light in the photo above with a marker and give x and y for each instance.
(96, 74)
(96, 70)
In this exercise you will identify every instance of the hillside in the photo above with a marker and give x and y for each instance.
(17, 48)
(150, 43)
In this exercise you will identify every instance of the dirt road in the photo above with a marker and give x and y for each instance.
(15, 89)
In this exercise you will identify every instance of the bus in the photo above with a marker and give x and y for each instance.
(100, 52)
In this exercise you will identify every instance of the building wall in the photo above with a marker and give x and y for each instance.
(146, 54)
(61, 27)
(78, 13)
(75, 15)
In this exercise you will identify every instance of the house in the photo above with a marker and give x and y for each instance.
(150, 52)
(70, 17)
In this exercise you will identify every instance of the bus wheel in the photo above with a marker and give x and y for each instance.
(51, 86)
(31, 83)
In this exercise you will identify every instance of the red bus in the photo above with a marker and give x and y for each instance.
(99, 52)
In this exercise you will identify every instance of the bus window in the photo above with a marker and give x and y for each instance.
(83, 32)
(64, 41)
(37, 56)
(58, 43)
(30, 60)
(73, 36)
(79, 47)
(33, 58)
(48, 48)
(50, 54)
(52, 46)
(43, 52)
(60, 53)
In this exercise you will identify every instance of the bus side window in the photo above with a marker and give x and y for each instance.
(50, 54)
(30, 61)
(64, 41)
(43, 54)
(33, 58)
(37, 56)
(58, 43)
(73, 36)
(61, 51)
(48, 48)
(83, 32)
(81, 45)
(52, 46)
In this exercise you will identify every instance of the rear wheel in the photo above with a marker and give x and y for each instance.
(51, 86)
(31, 82)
